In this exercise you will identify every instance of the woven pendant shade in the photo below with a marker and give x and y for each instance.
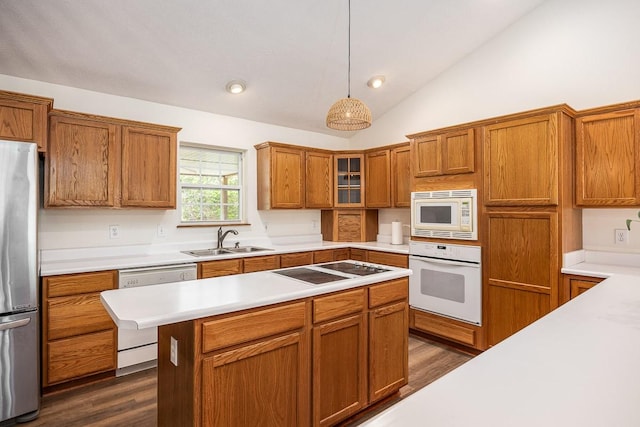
(349, 114)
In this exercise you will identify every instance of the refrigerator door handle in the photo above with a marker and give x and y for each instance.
(14, 324)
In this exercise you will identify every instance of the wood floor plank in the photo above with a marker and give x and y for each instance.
(131, 400)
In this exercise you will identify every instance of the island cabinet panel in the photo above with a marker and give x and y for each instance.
(339, 357)
(319, 180)
(24, 118)
(608, 158)
(83, 162)
(388, 338)
(378, 179)
(401, 176)
(219, 268)
(576, 285)
(521, 162)
(78, 335)
(148, 168)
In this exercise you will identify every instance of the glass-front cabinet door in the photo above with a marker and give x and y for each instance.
(349, 180)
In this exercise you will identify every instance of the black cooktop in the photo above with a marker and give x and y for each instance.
(351, 268)
(310, 276)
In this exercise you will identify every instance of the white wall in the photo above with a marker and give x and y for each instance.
(579, 52)
(77, 228)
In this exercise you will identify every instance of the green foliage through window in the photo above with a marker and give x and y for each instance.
(210, 184)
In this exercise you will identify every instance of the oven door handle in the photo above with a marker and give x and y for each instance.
(444, 261)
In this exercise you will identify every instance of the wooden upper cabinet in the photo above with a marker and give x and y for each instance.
(82, 164)
(148, 168)
(401, 176)
(378, 178)
(281, 176)
(607, 158)
(97, 161)
(24, 118)
(319, 180)
(443, 154)
(349, 180)
(521, 162)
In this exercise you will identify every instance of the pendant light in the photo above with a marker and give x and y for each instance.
(349, 113)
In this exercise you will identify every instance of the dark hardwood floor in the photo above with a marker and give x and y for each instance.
(131, 400)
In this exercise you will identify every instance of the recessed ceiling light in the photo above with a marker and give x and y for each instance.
(236, 86)
(375, 82)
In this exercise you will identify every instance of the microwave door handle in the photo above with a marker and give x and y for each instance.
(444, 261)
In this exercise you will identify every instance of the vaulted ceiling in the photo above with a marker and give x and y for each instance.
(291, 53)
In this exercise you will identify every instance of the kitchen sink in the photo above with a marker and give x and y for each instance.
(246, 249)
(225, 251)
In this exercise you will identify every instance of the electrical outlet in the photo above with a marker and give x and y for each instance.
(161, 231)
(314, 224)
(114, 231)
(174, 351)
(622, 236)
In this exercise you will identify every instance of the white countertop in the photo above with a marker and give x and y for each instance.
(576, 366)
(147, 306)
(81, 261)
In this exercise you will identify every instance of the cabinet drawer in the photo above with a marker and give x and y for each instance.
(323, 256)
(296, 259)
(261, 263)
(220, 268)
(341, 304)
(73, 284)
(341, 254)
(358, 254)
(385, 258)
(253, 325)
(394, 290)
(75, 315)
(80, 356)
(445, 328)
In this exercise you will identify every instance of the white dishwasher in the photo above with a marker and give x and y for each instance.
(138, 349)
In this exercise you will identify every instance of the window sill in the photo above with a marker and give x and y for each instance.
(211, 224)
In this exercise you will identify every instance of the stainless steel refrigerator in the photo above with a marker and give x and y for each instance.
(19, 318)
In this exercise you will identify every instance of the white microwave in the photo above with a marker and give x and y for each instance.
(446, 214)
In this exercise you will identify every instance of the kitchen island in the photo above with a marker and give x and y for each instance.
(269, 349)
(576, 366)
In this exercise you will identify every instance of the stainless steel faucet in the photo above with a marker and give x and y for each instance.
(222, 235)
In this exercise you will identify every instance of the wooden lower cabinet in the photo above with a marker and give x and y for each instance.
(576, 285)
(296, 259)
(79, 339)
(450, 329)
(339, 356)
(261, 263)
(220, 268)
(314, 361)
(386, 258)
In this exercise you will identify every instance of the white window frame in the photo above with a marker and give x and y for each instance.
(241, 187)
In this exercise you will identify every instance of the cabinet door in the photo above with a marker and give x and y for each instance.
(388, 350)
(219, 268)
(350, 180)
(427, 156)
(148, 168)
(79, 356)
(521, 162)
(265, 383)
(401, 177)
(24, 119)
(76, 315)
(378, 178)
(458, 155)
(339, 369)
(82, 162)
(287, 178)
(522, 271)
(261, 263)
(319, 180)
(607, 156)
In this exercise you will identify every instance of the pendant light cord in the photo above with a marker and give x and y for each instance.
(349, 55)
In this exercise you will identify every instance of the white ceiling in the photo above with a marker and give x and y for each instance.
(291, 53)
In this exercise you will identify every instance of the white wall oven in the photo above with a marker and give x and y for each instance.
(446, 214)
(446, 280)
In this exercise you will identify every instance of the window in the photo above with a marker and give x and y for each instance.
(210, 184)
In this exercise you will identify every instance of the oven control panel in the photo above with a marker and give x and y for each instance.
(446, 251)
